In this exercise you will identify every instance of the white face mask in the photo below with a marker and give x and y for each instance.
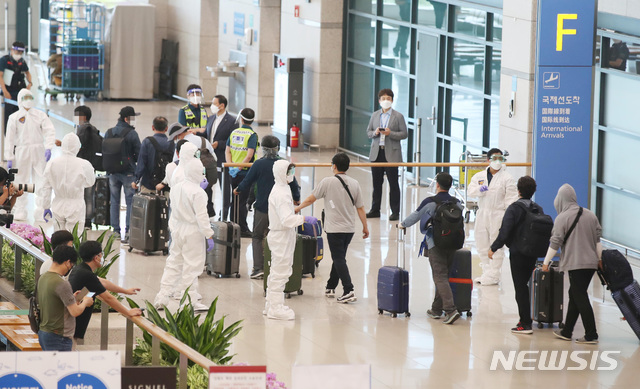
(290, 179)
(17, 57)
(386, 104)
(195, 100)
(76, 120)
(132, 122)
(27, 104)
(496, 165)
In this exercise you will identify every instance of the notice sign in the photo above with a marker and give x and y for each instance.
(237, 377)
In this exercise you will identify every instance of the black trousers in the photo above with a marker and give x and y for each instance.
(579, 304)
(338, 244)
(226, 194)
(242, 202)
(521, 269)
(377, 174)
(10, 108)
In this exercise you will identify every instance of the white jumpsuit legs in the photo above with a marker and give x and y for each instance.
(30, 162)
(282, 244)
(184, 264)
(487, 227)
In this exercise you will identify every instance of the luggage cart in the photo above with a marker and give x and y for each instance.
(466, 172)
(77, 31)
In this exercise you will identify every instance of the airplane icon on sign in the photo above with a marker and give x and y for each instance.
(551, 80)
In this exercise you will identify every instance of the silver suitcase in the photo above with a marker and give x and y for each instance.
(224, 259)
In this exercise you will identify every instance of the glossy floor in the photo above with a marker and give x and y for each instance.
(415, 352)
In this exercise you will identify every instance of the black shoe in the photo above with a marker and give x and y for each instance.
(246, 234)
(373, 214)
(394, 216)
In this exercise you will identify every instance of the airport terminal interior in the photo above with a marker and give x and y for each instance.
(467, 79)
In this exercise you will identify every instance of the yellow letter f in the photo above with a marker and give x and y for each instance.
(562, 31)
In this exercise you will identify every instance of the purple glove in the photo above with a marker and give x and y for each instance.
(204, 183)
(47, 212)
(210, 244)
(484, 188)
(9, 164)
(310, 219)
(47, 155)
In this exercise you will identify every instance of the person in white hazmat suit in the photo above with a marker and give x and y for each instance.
(189, 226)
(67, 175)
(495, 189)
(27, 147)
(176, 174)
(282, 240)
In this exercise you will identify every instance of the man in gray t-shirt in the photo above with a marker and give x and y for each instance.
(342, 196)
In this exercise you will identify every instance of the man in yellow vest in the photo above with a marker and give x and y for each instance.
(241, 148)
(193, 115)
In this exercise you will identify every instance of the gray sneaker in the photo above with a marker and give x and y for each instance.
(434, 315)
(559, 335)
(347, 298)
(450, 318)
(257, 274)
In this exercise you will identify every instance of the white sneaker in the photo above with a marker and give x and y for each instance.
(478, 280)
(489, 282)
(199, 307)
(160, 302)
(281, 312)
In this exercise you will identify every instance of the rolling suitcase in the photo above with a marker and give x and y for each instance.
(149, 223)
(460, 280)
(316, 232)
(294, 285)
(309, 252)
(393, 285)
(224, 259)
(546, 290)
(102, 202)
(616, 274)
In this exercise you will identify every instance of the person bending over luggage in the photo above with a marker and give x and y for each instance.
(522, 262)
(67, 176)
(341, 195)
(189, 226)
(83, 276)
(577, 231)
(440, 258)
(282, 240)
(261, 172)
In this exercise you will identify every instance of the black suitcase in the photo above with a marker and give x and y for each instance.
(102, 202)
(628, 300)
(149, 223)
(460, 280)
(294, 285)
(393, 285)
(547, 294)
(224, 259)
(309, 253)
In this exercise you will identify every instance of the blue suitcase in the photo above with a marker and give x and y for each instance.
(460, 280)
(393, 286)
(628, 300)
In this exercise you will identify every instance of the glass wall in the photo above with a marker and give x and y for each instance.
(382, 42)
(615, 193)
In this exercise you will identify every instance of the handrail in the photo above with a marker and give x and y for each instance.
(21, 246)
(392, 164)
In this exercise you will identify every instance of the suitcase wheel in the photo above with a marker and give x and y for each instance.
(237, 275)
(469, 314)
(313, 275)
(407, 314)
(540, 325)
(130, 249)
(380, 311)
(165, 252)
(300, 292)
(394, 315)
(287, 295)
(219, 275)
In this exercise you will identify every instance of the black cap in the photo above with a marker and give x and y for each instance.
(128, 111)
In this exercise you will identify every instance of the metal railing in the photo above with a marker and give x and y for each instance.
(22, 246)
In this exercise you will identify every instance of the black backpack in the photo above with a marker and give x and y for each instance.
(533, 234)
(209, 163)
(91, 149)
(114, 151)
(160, 161)
(448, 225)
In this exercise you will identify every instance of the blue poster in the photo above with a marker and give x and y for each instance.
(238, 24)
(80, 380)
(563, 99)
(19, 380)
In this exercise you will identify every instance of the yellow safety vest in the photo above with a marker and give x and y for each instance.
(239, 144)
(191, 117)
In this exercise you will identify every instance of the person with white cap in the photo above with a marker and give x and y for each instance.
(14, 76)
(30, 138)
(67, 176)
(120, 150)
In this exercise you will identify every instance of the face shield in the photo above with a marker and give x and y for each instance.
(195, 96)
(17, 53)
(27, 101)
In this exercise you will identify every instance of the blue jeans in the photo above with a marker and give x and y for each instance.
(53, 342)
(338, 245)
(117, 181)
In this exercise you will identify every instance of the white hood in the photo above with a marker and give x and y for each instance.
(280, 168)
(187, 152)
(71, 144)
(194, 171)
(23, 92)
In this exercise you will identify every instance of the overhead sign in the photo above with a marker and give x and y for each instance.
(564, 98)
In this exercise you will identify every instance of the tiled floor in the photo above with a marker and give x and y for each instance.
(414, 352)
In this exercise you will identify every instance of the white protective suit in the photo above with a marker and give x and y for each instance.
(29, 134)
(282, 242)
(68, 176)
(176, 175)
(491, 206)
(189, 226)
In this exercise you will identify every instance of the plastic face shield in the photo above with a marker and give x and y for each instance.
(27, 98)
(498, 157)
(194, 92)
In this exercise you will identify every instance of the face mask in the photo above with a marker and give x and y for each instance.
(386, 104)
(76, 120)
(132, 122)
(16, 57)
(68, 271)
(290, 179)
(27, 104)
(291, 174)
(496, 165)
(195, 100)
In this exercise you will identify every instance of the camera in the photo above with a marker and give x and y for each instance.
(29, 188)
(6, 219)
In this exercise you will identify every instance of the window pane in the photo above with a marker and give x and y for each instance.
(356, 138)
(620, 103)
(368, 6)
(401, 90)
(398, 9)
(395, 46)
(494, 135)
(362, 38)
(432, 13)
(496, 64)
(619, 56)
(467, 117)
(470, 21)
(615, 173)
(360, 91)
(468, 64)
(623, 230)
(497, 28)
